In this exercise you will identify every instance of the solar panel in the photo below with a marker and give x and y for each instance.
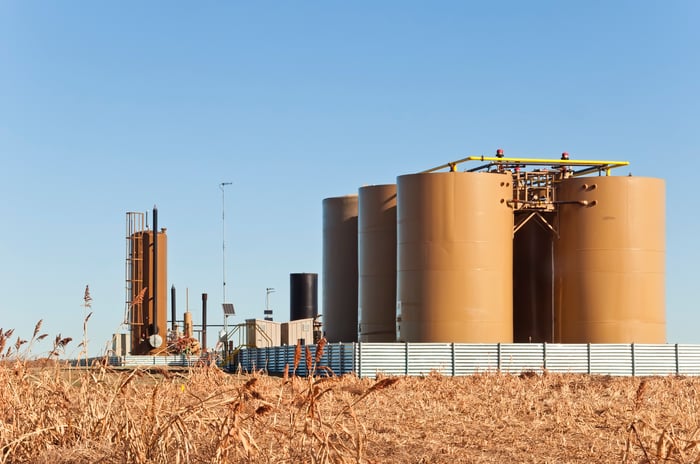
(228, 309)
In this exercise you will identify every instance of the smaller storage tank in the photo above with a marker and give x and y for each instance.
(377, 263)
(610, 261)
(303, 296)
(340, 268)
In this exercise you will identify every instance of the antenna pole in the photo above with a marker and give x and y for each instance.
(223, 237)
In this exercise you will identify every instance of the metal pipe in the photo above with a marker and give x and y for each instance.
(568, 162)
(154, 284)
(172, 308)
(495, 161)
(204, 321)
(188, 324)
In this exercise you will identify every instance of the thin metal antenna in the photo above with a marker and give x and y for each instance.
(223, 237)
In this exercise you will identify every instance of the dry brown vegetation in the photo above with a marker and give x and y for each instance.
(50, 414)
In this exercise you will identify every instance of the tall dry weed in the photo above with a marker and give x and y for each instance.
(53, 414)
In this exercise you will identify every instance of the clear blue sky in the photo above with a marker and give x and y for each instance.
(114, 107)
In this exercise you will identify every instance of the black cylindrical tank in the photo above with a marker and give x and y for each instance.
(303, 296)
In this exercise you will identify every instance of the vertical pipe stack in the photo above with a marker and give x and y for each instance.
(173, 312)
(204, 321)
(377, 263)
(340, 268)
(154, 293)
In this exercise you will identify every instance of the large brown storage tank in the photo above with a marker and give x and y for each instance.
(533, 312)
(377, 263)
(340, 268)
(455, 258)
(609, 261)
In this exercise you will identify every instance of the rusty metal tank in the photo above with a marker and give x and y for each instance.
(455, 258)
(377, 263)
(148, 318)
(339, 279)
(610, 261)
(533, 312)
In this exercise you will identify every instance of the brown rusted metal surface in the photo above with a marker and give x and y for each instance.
(340, 268)
(455, 258)
(377, 263)
(144, 314)
(610, 261)
(532, 279)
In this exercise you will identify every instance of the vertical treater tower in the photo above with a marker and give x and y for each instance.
(377, 263)
(610, 261)
(455, 258)
(340, 268)
(146, 278)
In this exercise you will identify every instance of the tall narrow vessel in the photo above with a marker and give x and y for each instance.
(146, 277)
(455, 258)
(610, 261)
(340, 268)
(377, 263)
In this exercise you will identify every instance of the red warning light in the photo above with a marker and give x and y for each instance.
(499, 153)
(565, 156)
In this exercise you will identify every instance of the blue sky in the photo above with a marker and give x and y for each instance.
(114, 107)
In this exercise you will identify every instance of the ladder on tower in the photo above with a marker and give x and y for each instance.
(135, 227)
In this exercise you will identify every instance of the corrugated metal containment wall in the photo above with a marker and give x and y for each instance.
(609, 261)
(456, 359)
(455, 258)
(532, 280)
(377, 263)
(340, 268)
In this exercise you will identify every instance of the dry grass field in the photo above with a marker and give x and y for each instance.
(55, 415)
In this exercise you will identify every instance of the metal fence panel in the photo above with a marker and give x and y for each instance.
(566, 358)
(387, 358)
(654, 360)
(173, 361)
(519, 357)
(339, 357)
(611, 359)
(424, 358)
(477, 358)
(688, 359)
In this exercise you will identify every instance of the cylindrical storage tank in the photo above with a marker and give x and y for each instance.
(340, 268)
(610, 261)
(533, 283)
(303, 296)
(377, 263)
(188, 327)
(455, 258)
